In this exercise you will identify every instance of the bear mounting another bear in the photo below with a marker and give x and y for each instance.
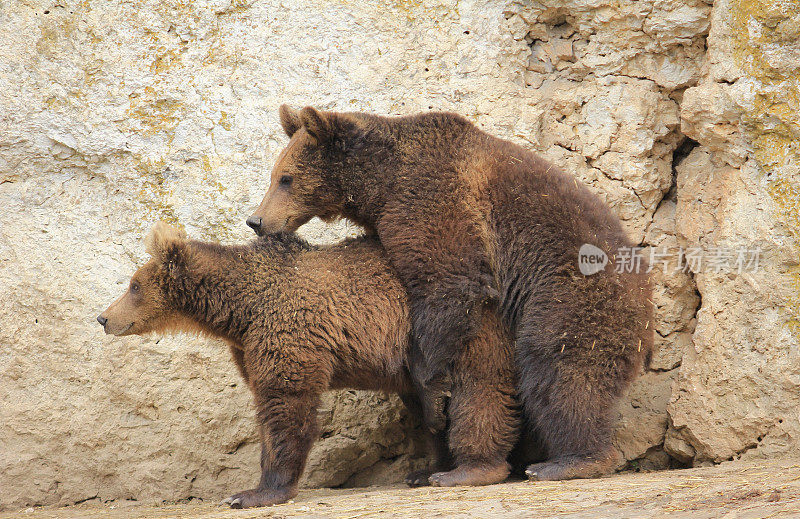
(300, 320)
(473, 225)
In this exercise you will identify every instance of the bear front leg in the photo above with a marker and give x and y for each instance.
(442, 461)
(430, 400)
(288, 428)
(437, 442)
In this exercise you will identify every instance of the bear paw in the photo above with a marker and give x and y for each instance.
(259, 497)
(548, 471)
(471, 475)
(418, 478)
(575, 467)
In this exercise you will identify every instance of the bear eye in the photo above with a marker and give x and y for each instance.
(286, 180)
(134, 287)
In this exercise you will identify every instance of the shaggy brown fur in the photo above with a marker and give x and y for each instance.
(301, 320)
(468, 220)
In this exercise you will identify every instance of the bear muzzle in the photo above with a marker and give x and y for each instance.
(254, 222)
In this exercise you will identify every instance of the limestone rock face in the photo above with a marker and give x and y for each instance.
(736, 392)
(681, 114)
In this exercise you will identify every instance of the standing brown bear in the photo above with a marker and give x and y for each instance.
(300, 320)
(469, 221)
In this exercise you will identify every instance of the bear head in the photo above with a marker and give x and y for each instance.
(306, 181)
(145, 307)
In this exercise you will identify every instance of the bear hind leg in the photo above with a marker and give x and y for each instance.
(570, 414)
(483, 413)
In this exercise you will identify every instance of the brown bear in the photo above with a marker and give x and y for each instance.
(471, 223)
(300, 320)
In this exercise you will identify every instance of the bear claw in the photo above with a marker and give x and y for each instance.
(233, 503)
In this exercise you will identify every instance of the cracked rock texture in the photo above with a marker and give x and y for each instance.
(736, 392)
(681, 114)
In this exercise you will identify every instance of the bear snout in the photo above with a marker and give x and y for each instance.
(102, 320)
(254, 222)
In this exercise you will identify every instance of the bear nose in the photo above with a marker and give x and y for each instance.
(254, 222)
(102, 320)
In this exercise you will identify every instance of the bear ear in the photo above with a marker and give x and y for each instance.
(161, 238)
(317, 124)
(290, 119)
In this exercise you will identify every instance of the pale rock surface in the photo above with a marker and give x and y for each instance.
(114, 115)
(736, 393)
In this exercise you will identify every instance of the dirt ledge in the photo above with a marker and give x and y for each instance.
(731, 490)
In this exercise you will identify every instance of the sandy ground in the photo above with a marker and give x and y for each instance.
(732, 490)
